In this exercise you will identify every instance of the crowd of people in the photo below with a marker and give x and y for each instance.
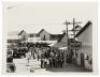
(49, 57)
(52, 58)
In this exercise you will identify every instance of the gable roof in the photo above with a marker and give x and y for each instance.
(62, 36)
(41, 31)
(84, 28)
(21, 32)
(62, 42)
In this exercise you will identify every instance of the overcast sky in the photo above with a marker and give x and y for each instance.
(32, 16)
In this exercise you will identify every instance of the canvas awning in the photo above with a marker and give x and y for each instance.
(63, 48)
(51, 45)
(60, 44)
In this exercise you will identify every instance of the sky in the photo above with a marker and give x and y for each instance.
(51, 16)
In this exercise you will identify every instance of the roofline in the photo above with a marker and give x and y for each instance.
(21, 32)
(41, 31)
(84, 28)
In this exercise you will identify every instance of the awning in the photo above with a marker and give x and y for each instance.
(63, 48)
(51, 45)
(59, 45)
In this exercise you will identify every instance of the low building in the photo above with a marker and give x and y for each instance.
(84, 53)
(33, 38)
(43, 37)
(23, 36)
(16, 37)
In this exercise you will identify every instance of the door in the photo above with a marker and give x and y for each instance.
(82, 59)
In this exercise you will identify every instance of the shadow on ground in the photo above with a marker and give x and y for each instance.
(69, 68)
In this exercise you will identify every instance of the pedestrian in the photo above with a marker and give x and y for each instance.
(50, 62)
(28, 56)
(45, 63)
(42, 63)
(42, 60)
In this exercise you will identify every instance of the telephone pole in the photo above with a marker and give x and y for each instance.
(66, 23)
(74, 50)
(74, 24)
(67, 31)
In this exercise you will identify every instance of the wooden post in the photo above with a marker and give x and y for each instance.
(74, 24)
(66, 23)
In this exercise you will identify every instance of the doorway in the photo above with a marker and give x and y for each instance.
(82, 59)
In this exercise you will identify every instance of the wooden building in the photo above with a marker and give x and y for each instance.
(84, 54)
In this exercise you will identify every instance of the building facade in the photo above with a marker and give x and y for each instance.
(84, 53)
(23, 36)
(43, 37)
(33, 38)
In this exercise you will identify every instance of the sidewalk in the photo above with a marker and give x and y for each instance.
(68, 68)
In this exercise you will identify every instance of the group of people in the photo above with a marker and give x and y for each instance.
(49, 57)
(53, 61)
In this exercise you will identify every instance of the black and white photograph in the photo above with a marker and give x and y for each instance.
(49, 37)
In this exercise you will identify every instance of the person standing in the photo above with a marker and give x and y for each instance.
(28, 56)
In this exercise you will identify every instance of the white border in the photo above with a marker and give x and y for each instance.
(52, 0)
(70, 74)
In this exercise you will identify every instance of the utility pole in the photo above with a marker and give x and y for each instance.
(74, 24)
(66, 23)
(67, 31)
